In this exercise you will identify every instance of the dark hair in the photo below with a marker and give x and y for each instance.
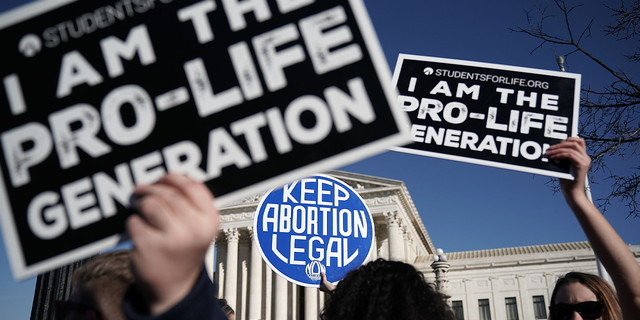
(224, 305)
(598, 286)
(385, 290)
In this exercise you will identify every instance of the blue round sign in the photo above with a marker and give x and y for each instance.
(313, 225)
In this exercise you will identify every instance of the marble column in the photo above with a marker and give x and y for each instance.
(209, 258)
(255, 280)
(231, 276)
(498, 311)
(405, 244)
(382, 241)
(221, 260)
(411, 254)
(526, 302)
(374, 245)
(396, 245)
(471, 303)
(280, 298)
(243, 276)
(292, 301)
(310, 303)
(268, 292)
(551, 279)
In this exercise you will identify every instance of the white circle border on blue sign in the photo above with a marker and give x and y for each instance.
(355, 236)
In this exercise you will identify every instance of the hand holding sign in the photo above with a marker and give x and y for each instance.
(325, 285)
(574, 150)
(176, 225)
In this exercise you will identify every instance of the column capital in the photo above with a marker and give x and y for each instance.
(393, 218)
(405, 234)
(232, 234)
(252, 234)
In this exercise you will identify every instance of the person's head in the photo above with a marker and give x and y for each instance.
(580, 295)
(385, 290)
(224, 305)
(99, 285)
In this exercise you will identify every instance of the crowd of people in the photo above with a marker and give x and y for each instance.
(163, 276)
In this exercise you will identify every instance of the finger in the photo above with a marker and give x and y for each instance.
(154, 210)
(571, 142)
(197, 193)
(168, 199)
(565, 148)
(570, 148)
(325, 285)
(575, 157)
(323, 282)
(577, 140)
(140, 231)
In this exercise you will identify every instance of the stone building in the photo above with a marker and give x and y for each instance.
(255, 292)
(512, 283)
(509, 283)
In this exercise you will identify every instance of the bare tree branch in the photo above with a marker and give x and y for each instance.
(609, 116)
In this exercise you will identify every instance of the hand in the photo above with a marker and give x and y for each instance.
(325, 285)
(574, 150)
(176, 224)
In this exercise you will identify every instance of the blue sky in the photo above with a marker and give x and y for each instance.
(463, 206)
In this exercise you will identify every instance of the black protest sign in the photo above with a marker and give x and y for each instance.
(100, 95)
(494, 115)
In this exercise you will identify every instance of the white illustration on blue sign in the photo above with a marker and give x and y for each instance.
(313, 225)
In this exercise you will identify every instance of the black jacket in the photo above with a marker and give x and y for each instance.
(199, 304)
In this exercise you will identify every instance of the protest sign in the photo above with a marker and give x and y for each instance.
(489, 114)
(97, 96)
(317, 224)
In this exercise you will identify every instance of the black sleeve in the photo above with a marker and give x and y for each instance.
(199, 304)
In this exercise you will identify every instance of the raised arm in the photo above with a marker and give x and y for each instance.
(607, 244)
(176, 224)
(325, 285)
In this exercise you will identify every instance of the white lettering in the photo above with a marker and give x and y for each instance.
(143, 109)
(67, 140)
(321, 39)
(272, 62)
(75, 70)
(223, 152)
(18, 158)
(46, 217)
(137, 41)
(236, 9)
(197, 13)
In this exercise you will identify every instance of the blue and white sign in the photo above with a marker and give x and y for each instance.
(313, 225)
